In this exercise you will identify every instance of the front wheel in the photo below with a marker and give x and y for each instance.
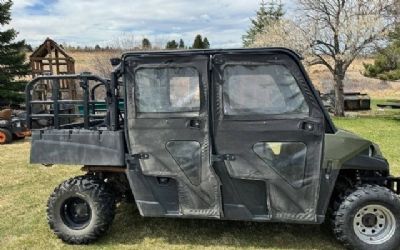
(81, 209)
(368, 218)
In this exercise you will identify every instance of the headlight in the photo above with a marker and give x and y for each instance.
(371, 151)
(377, 150)
(3, 122)
(17, 124)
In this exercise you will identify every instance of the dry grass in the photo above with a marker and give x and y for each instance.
(94, 62)
(355, 81)
(24, 190)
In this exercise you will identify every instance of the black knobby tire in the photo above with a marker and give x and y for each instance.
(368, 204)
(99, 202)
(7, 136)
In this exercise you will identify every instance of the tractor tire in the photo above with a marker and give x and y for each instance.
(5, 136)
(368, 218)
(81, 209)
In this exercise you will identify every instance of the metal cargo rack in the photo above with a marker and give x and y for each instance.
(90, 127)
(64, 112)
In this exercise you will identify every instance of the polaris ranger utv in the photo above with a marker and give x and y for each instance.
(216, 134)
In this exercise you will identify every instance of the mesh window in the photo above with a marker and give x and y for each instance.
(167, 90)
(187, 154)
(287, 158)
(261, 90)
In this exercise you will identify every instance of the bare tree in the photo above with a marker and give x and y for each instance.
(100, 63)
(283, 33)
(339, 30)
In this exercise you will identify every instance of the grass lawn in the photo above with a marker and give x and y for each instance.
(24, 190)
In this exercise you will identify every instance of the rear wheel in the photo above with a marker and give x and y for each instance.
(81, 209)
(368, 218)
(5, 136)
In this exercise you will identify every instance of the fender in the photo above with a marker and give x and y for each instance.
(366, 162)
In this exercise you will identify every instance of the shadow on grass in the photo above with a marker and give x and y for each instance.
(130, 228)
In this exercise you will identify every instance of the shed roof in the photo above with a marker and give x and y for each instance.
(43, 51)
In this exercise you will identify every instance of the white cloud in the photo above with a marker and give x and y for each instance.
(20, 4)
(88, 22)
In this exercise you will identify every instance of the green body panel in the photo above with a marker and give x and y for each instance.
(341, 147)
(344, 150)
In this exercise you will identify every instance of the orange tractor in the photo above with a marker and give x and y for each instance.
(12, 126)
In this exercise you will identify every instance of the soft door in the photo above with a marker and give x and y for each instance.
(268, 135)
(168, 128)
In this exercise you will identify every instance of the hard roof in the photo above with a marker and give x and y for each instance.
(271, 50)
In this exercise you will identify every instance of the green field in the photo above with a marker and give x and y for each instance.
(24, 190)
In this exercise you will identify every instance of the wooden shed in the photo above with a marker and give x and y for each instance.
(51, 59)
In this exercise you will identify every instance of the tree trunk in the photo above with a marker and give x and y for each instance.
(339, 95)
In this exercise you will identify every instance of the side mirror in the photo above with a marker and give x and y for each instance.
(115, 61)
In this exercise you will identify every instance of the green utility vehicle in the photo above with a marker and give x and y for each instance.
(237, 134)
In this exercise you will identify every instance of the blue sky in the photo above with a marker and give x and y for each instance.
(104, 22)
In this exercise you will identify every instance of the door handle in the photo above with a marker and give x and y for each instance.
(308, 126)
(194, 123)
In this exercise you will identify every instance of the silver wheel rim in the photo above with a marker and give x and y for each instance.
(374, 224)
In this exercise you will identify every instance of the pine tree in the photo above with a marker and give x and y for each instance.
(198, 42)
(206, 43)
(146, 44)
(267, 13)
(29, 48)
(181, 44)
(12, 60)
(172, 45)
(387, 61)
